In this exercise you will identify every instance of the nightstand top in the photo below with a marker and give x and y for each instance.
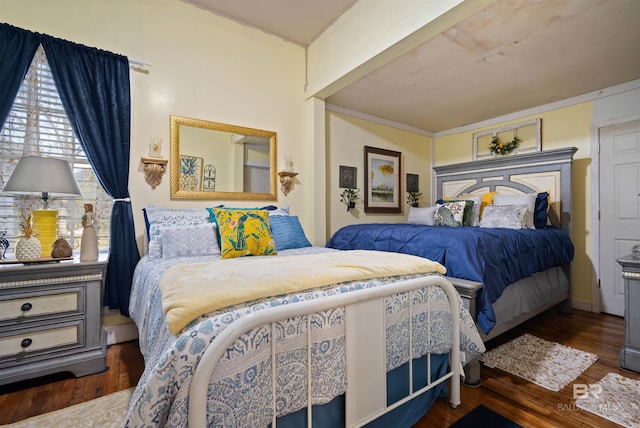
(16, 271)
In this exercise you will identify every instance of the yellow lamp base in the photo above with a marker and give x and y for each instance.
(45, 225)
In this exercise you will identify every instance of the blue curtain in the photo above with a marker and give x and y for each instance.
(94, 89)
(17, 48)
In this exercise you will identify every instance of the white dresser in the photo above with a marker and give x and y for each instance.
(51, 319)
(630, 352)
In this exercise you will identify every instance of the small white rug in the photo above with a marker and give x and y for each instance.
(548, 364)
(618, 401)
(104, 412)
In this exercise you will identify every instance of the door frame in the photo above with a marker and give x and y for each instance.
(595, 202)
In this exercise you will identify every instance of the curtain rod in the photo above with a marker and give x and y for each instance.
(138, 62)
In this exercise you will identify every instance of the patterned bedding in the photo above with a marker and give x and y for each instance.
(240, 394)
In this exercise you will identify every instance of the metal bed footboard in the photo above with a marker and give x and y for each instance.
(365, 350)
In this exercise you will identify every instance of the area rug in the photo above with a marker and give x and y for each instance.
(484, 417)
(615, 398)
(103, 412)
(548, 364)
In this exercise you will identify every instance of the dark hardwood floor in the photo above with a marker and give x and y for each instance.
(521, 401)
(531, 405)
(22, 400)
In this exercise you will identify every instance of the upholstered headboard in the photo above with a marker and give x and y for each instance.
(548, 170)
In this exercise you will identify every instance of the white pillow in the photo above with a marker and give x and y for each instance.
(421, 215)
(528, 199)
(189, 241)
(504, 216)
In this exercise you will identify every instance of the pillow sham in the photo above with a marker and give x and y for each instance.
(189, 241)
(156, 217)
(528, 199)
(467, 216)
(279, 211)
(421, 215)
(449, 214)
(505, 216)
(475, 209)
(287, 232)
(541, 210)
(244, 232)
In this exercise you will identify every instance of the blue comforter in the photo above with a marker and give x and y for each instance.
(494, 257)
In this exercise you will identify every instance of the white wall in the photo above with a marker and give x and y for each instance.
(203, 66)
(346, 138)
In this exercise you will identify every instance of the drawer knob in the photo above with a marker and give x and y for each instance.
(26, 343)
(26, 307)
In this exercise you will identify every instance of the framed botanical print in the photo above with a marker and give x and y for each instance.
(190, 173)
(382, 180)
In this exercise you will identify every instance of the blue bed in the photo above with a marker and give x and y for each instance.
(495, 257)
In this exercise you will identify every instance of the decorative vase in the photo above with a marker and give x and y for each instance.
(28, 248)
(351, 205)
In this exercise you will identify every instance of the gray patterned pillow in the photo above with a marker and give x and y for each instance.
(449, 214)
(189, 241)
(504, 216)
(528, 199)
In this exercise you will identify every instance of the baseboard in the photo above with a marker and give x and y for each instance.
(581, 306)
(118, 327)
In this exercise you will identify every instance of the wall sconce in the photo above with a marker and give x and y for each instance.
(154, 169)
(36, 175)
(154, 165)
(286, 181)
(286, 176)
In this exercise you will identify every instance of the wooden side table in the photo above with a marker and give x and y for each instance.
(51, 319)
(630, 352)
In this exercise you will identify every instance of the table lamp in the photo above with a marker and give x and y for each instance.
(36, 175)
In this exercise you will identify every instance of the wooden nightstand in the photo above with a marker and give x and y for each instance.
(630, 352)
(51, 319)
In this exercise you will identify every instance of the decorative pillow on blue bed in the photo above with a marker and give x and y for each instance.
(467, 215)
(421, 215)
(504, 216)
(156, 217)
(528, 199)
(287, 232)
(449, 214)
(541, 210)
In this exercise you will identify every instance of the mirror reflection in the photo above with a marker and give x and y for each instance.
(211, 160)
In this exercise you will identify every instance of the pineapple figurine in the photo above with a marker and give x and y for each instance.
(28, 246)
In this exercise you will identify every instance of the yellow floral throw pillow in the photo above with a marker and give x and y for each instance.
(244, 233)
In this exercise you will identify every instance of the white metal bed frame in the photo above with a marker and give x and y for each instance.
(365, 350)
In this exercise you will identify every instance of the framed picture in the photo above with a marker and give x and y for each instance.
(348, 176)
(412, 183)
(190, 173)
(382, 180)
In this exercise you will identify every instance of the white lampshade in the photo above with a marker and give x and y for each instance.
(42, 176)
(45, 177)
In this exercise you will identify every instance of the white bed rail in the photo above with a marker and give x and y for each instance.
(362, 404)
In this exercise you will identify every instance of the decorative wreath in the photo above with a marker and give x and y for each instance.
(503, 149)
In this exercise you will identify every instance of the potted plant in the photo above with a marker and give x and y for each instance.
(349, 197)
(412, 198)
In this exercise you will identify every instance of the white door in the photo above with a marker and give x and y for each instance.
(619, 208)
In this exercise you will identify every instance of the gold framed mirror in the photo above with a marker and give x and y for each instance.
(211, 160)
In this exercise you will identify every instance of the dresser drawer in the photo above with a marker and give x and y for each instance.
(26, 342)
(42, 304)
